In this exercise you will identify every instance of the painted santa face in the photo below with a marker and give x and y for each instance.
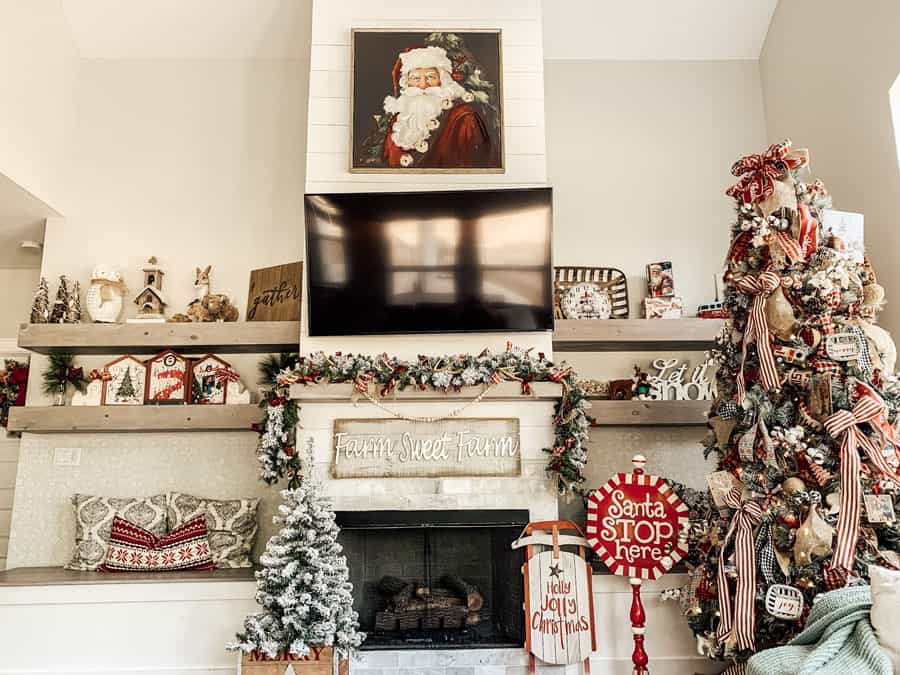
(423, 78)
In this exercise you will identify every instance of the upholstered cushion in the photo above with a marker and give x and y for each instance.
(885, 610)
(94, 518)
(134, 549)
(231, 523)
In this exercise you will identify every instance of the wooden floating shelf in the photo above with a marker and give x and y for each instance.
(57, 576)
(143, 418)
(627, 413)
(622, 335)
(244, 337)
(504, 391)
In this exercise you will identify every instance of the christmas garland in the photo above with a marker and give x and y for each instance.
(566, 459)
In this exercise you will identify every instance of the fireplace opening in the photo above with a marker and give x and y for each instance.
(436, 579)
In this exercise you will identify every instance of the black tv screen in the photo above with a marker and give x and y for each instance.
(422, 262)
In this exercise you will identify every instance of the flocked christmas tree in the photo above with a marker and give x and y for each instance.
(807, 486)
(73, 311)
(126, 387)
(40, 306)
(303, 586)
(60, 308)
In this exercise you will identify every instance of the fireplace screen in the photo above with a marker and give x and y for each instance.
(436, 578)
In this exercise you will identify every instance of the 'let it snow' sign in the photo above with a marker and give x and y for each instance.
(385, 448)
(634, 523)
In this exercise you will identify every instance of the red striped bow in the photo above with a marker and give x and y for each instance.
(791, 247)
(758, 330)
(870, 408)
(742, 623)
(758, 173)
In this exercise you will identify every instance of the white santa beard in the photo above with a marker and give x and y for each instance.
(415, 109)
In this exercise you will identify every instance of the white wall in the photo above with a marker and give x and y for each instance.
(196, 162)
(639, 156)
(15, 302)
(328, 159)
(827, 68)
(38, 69)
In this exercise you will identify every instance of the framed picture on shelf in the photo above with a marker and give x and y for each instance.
(126, 382)
(660, 280)
(209, 380)
(167, 378)
(426, 101)
(589, 293)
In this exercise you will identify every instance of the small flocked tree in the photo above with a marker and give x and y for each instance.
(40, 306)
(61, 304)
(73, 311)
(303, 586)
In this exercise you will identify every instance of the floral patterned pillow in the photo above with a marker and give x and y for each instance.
(231, 523)
(94, 518)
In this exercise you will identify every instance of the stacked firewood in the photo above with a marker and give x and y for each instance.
(454, 603)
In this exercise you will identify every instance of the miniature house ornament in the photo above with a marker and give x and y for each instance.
(104, 296)
(125, 382)
(150, 301)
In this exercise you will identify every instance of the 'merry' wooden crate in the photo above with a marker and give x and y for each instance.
(320, 661)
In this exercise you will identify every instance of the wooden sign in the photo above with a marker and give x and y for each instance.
(388, 448)
(275, 293)
(319, 661)
(635, 523)
(559, 605)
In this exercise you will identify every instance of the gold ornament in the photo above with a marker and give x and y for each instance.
(813, 538)
(792, 485)
(780, 316)
(805, 583)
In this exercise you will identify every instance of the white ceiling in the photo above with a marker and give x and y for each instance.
(650, 30)
(279, 29)
(22, 217)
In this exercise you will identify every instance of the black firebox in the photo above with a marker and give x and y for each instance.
(436, 579)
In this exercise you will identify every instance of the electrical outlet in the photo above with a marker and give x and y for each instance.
(67, 456)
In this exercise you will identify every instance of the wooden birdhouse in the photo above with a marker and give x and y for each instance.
(150, 300)
(210, 376)
(167, 378)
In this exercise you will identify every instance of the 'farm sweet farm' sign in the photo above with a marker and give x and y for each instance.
(385, 448)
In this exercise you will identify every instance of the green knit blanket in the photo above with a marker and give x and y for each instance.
(838, 640)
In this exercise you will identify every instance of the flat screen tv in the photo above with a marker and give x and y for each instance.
(429, 262)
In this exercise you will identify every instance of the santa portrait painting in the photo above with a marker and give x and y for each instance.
(426, 102)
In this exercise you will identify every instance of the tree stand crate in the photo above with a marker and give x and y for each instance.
(319, 661)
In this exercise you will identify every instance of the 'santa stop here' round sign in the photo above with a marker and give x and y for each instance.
(635, 524)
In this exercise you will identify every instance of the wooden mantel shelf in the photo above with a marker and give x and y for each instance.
(242, 337)
(144, 418)
(505, 391)
(635, 335)
(628, 413)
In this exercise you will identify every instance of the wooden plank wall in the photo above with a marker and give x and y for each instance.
(329, 89)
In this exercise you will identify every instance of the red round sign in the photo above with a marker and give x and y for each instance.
(635, 524)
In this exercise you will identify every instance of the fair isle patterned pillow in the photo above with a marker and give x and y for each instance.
(94, 518)
(231, 523)
(134, 549)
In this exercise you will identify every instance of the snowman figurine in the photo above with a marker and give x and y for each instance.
(104, 297)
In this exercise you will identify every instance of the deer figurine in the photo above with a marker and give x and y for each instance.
(201, 283)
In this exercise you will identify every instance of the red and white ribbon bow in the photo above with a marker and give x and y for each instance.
(870, 408)
(758, 330)
(747, 516)
(791, 247)
(758, 173)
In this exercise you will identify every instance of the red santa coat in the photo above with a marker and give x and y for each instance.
(461, 141)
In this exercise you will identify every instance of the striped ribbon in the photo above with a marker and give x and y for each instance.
(870, 408)
(747, 516)
(757, 329)
(791, 247)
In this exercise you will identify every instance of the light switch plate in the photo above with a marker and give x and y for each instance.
(67, 456)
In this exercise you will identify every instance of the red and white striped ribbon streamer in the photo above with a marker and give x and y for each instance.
(870, 408)
(758, 330)
(791, 247)
(746, 517)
